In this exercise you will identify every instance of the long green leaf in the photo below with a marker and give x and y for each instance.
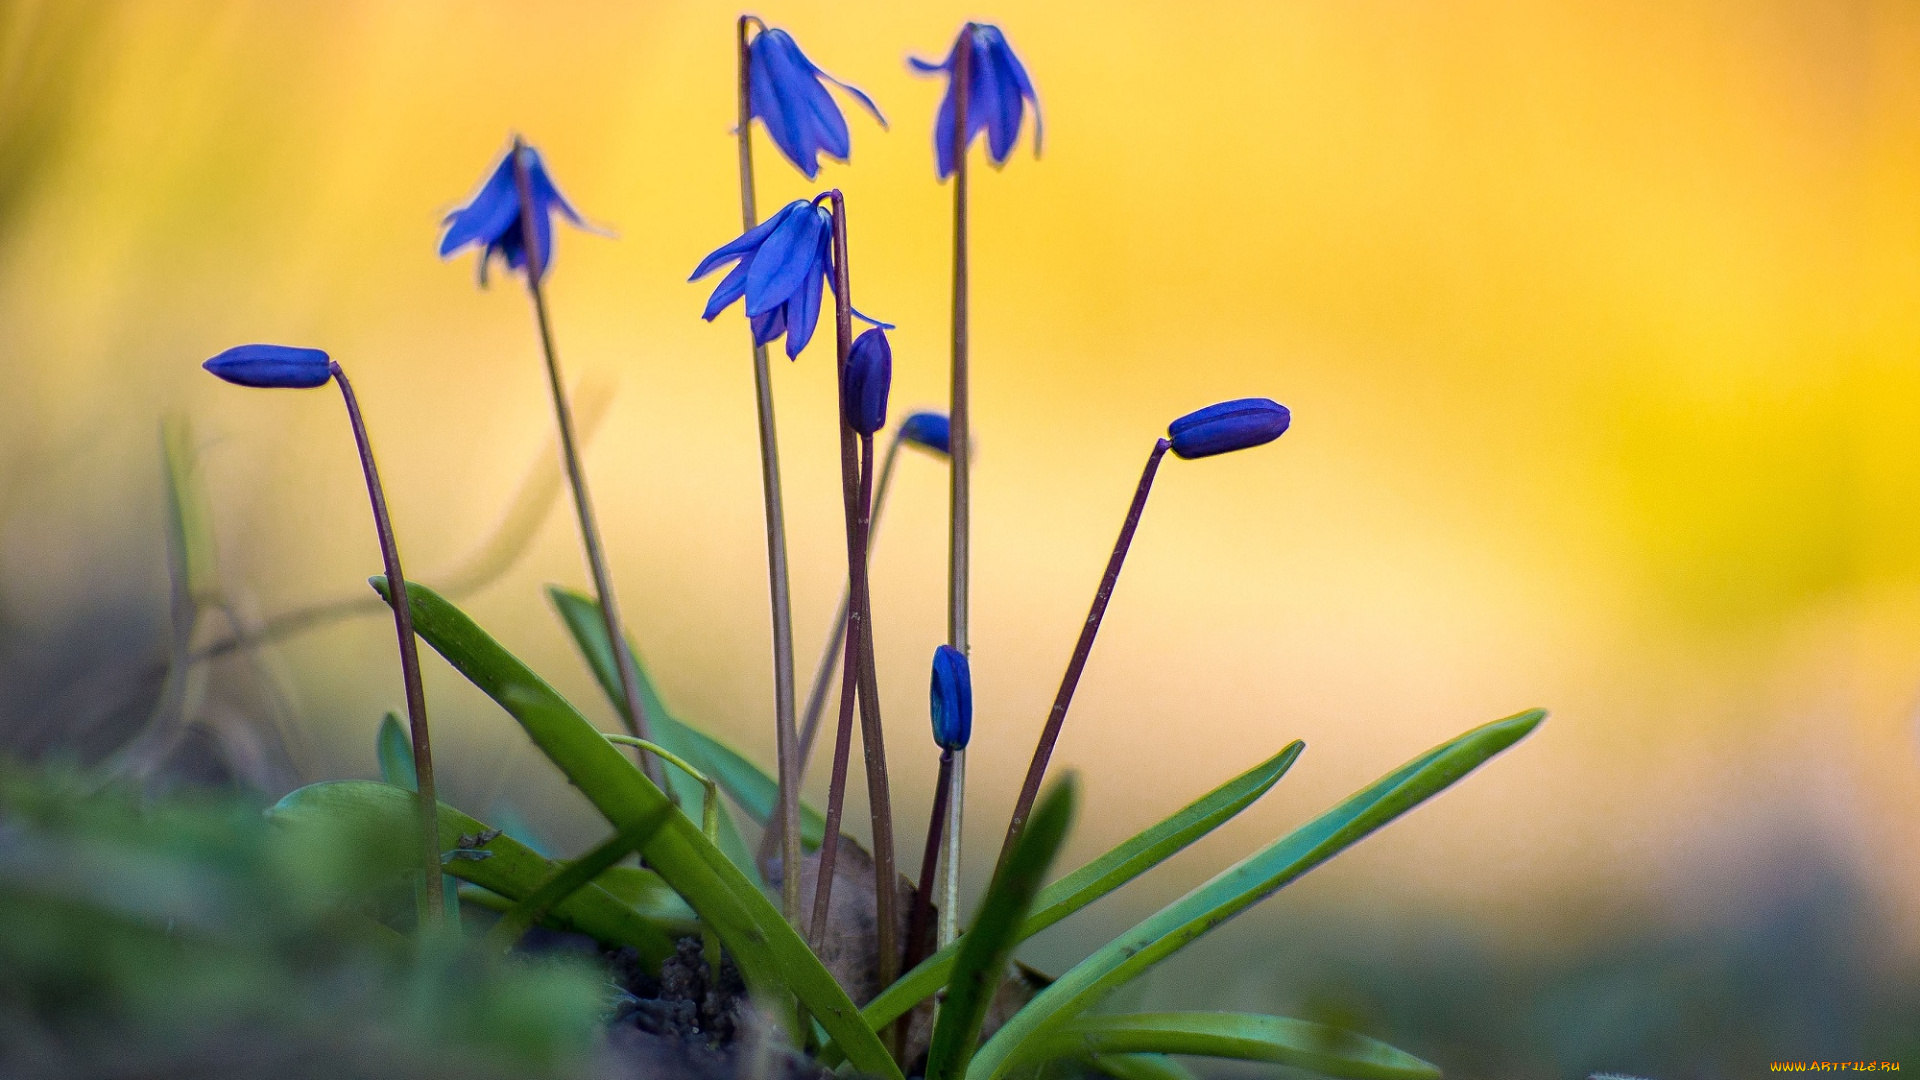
(1315, 1048)
(982, 964)
(1244, 884)
(395, 754)
(513, 870)
(1141, 1067)
(1098, 878)
(771, 956)
(571, 878)
(746, 783)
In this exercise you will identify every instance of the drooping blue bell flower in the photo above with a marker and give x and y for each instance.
(952, 699)
(929, 431)
(272, 367)
(781, 267)
(1228, 426)
(492, 220)
(787, 92)
(996, 102)
(866, 380)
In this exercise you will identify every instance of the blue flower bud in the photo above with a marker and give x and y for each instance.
(272, 367)
(1228, 426)
(929, 431)
(952, 696)
(864, 384)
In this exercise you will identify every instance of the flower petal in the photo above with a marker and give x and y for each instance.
(784, 261)
(731, 288)
(482, 220)
(770, 98)
(742, 244)
(769, 326)
(1004, 132)
(803, 311)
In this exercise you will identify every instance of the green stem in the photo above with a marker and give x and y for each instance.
(950, 902)
(786, 741)
(428, 898)
(636, 712)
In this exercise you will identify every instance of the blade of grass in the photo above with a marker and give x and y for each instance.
(751, 787)
(1098, 878)
(396, 757)
(1298, 1044)
(988, 946)
(1244, 884)
(571, 878)
(773, 960)
(512, 870)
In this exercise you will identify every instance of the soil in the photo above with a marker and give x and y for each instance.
(686, 1024)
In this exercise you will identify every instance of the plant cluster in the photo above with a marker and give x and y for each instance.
(675, 796)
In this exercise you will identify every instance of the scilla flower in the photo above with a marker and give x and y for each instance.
(866, 380)
(789, 95)
(998, 92)
(492, 220)
(272, 367)
(781, 267)
(1228, 426)
(929, 431)
(952, 699)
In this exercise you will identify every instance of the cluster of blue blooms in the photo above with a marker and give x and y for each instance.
(782, 267)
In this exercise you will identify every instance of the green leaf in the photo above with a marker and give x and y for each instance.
(771, 956)
(756, 791)
(573, 877)
(1099, 877)
(396, 754)
(982, 964)
(514, 871)
(1141, 1067)
(1315, 1048)
(1244, 884)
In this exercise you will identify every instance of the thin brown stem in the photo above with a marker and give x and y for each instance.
(836, 797)
(837, 634)
(1050, 734)
(429, 898)
(635, 713)
(786, 740)
(960, 497)
(858, 494)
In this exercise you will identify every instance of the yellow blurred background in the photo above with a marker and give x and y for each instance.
(1599, 322)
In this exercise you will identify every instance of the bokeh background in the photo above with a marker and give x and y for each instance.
(1599, 322)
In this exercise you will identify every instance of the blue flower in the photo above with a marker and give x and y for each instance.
(952, 699)
(782, 265)
(866, 380)
(998, 92)
(1228, 426)
(272, 367)
(929, 431)
(787, 92)
(492, 220)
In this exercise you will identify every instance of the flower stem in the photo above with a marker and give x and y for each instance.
(836, 790)
(429, 896)
(959, 545)
(635, 713)
(1057, 717)
(950, 902)
(919, 928)
(786, 740)
(837, 633)
(859, 509)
